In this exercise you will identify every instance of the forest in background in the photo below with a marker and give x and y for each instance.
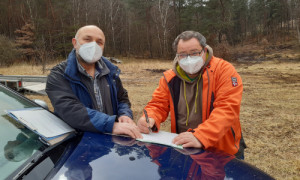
(41, 30)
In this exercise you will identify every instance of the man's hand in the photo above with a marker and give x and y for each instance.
(143, 125)
(187, 139)
(126, 129)
(126, 119)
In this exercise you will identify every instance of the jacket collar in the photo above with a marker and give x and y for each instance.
(72, 67)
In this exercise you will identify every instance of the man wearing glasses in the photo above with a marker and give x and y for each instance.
(203, 94)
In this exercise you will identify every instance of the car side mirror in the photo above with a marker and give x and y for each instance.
(41, 103)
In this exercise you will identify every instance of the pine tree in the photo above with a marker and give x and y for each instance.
(25, 40)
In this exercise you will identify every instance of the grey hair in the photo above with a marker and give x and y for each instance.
(187, 35)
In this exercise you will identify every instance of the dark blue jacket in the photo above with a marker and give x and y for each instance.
(72, 96)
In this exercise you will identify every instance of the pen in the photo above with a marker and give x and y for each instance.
(147, 119)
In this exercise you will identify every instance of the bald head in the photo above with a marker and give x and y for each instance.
(88, 34)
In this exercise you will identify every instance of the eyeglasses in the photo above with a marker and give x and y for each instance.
(183, 55)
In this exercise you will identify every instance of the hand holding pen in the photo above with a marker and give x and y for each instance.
(147, 120)
(145, 123)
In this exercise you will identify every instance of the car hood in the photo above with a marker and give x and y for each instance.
(103, 156)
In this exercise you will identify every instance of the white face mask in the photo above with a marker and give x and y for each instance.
(90, 52)
(191, 64)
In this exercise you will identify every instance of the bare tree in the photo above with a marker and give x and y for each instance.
(86, 12)
(114, 7)
(28, 2)
(294, 6)
(99, 6)
(161, 16)
(76, 12)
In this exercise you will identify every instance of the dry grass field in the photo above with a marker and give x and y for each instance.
(270, 111)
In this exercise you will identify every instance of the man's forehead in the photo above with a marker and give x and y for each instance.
(188, 45)
(91, 31)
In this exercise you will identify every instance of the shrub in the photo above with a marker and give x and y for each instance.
(8, 51)
(222, 50)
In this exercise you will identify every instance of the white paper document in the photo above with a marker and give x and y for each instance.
(42, 121)
(162, 137)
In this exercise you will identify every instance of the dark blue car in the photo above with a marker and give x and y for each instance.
(104, 156)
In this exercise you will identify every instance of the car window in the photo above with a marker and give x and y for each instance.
(17, 143)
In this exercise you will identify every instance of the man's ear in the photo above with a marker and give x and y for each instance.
(206, 48)
(74, 42)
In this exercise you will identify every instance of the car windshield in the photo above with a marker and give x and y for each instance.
(17, 143)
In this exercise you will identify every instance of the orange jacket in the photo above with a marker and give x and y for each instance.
(221, 100)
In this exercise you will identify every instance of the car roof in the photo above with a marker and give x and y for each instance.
(105, 156)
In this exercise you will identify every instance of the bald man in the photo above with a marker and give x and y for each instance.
(86, 91)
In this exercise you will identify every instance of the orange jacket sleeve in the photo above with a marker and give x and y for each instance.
(159, 106)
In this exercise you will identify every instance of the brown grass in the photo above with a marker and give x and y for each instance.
(270, 112)
(270, 117)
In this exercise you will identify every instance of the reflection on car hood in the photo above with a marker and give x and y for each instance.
(103, 156)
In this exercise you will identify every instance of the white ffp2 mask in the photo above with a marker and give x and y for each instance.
(191, 64)
(90, 52)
